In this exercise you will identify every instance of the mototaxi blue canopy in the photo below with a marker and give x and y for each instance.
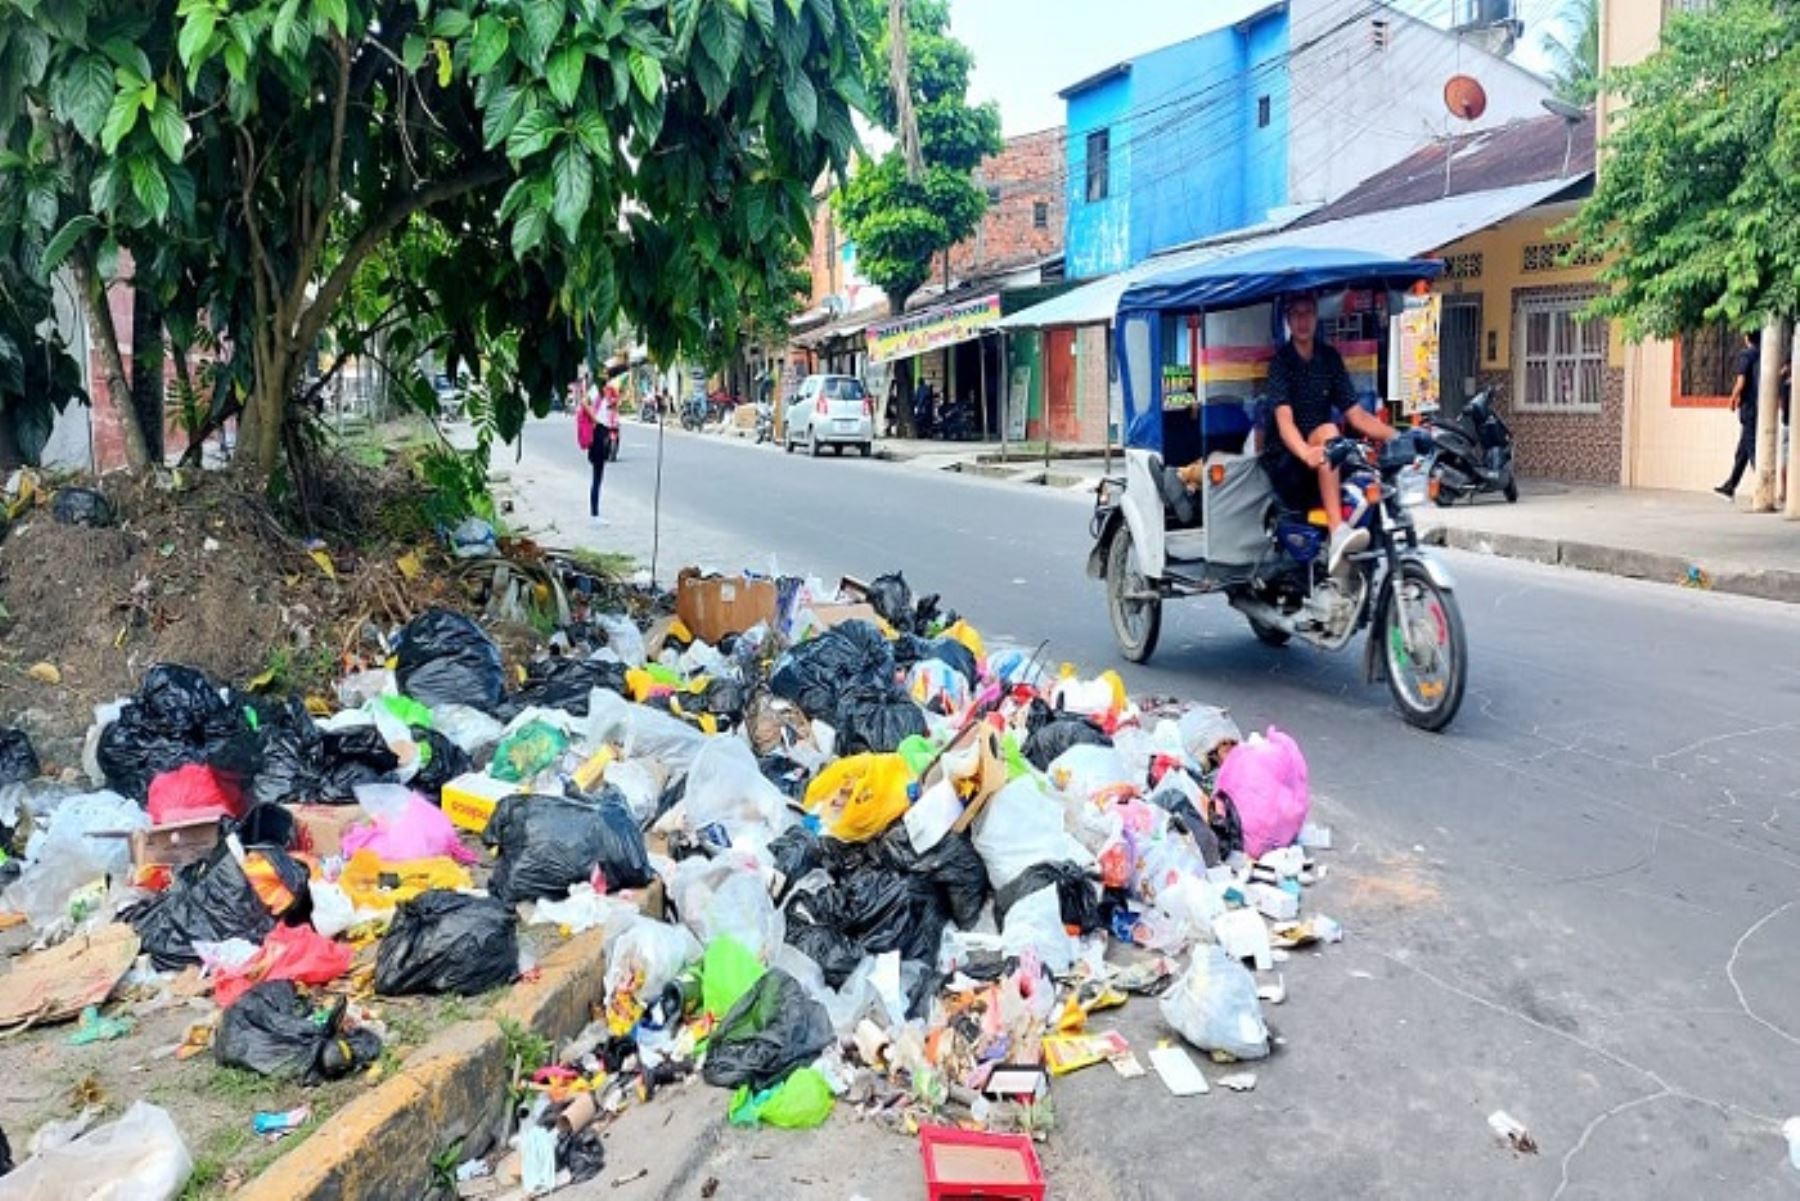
(1232, 281)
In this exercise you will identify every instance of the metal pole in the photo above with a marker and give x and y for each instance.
(981, 344)
(1005, 389)
(1768, 415)
(1793, 444)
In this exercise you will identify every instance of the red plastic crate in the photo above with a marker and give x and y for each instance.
(962, 1165)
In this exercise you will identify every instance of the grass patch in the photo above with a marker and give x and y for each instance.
(607, 564)
(236, 1086)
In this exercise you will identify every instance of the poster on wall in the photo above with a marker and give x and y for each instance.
(1413, 357)
(1177, 387)
(1018, 403)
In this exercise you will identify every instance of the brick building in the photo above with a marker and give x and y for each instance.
(1024, 220)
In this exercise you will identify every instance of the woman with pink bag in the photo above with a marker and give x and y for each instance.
(594, 434)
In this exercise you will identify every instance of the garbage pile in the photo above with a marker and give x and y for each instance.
(842, 852)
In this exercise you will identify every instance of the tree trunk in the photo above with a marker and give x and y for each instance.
(148, 352)
(112, 365)
(1768, 415)
(259, 435)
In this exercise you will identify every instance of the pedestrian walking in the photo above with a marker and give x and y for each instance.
(593, 432)
(1743, 402)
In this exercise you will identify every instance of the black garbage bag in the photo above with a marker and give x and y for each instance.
(1056, 735)
(18, 761)
(773, 1029)
(444, 658)
(953, 866)
(347, 758)
(816, 673)
(911, 649)
(870, 910)
(1077, 894)
(444, 761)
(795, 852)
(211, 901)
(836, 954)
(790, 777)
(584, 1154)
(725, 699)
(177, 718)
(876, 717)
(892, 599)
(548, 843)
(271, 1031)
(1192, 822)
(264, 826)
(565, 684)
(6, 1154)
(302, 764)
(81, 506)
(448, 942)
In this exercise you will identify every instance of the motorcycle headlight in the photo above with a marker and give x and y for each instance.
(1413, 486)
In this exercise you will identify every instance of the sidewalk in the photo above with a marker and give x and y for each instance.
(1632, 532)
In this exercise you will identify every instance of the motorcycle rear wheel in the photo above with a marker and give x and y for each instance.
(1427, 681)
(1511, 492)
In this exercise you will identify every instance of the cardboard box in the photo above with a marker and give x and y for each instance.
(175, 845)
(320, 828)
(836, 615)
(471, 798)
(713, 608)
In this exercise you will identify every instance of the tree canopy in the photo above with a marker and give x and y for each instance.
(896, 222)
(1697, 207)
(487, 179)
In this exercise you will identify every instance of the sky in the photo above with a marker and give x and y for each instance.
(1028, 50)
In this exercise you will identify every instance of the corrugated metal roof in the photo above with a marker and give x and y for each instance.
(1405, 232)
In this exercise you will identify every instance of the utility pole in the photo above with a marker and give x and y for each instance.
(900, 79)
(1768, 414)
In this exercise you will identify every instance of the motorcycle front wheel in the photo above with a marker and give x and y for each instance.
(1136, 622)
(1426, 648)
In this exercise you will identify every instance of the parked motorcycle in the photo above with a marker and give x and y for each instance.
(694, 413)
(1473, 454)
(957, 423)
(765, 421)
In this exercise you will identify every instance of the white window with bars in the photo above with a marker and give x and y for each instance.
(1562, 356)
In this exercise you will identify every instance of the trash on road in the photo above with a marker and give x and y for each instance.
(1512, 1132)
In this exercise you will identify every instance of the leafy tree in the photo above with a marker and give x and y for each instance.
(1697, 207)
(491, 176)
(899, 222)
(38, 379)
(1575, 51)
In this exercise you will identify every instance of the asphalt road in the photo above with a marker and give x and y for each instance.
(1581, 905)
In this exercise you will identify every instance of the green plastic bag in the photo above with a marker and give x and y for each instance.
(727, 971)
(527, 751)
(918, 752)
(405, 708)
(800, 1102)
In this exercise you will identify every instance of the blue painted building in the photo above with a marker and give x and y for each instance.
(1178, 144)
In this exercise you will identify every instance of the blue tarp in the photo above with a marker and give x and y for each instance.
(1234, 281)
(1260, 275)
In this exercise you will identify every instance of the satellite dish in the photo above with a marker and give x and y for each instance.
(1464, 97)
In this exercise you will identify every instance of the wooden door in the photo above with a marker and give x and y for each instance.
(1059, 385)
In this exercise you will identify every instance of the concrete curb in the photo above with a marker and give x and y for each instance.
(1775, 585)
(454, 1087)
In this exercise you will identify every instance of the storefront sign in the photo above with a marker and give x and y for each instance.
(933, 329)
(1415, 355)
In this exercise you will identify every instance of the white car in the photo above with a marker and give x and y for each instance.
(831, 410)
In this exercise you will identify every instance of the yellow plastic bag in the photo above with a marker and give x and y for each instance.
(859, 797)
(372, 884)
(966, 634)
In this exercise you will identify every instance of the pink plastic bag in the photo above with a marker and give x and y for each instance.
(1265, 778)
(418, 831)
(193, 792)
(297, 953)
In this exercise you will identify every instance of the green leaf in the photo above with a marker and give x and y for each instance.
(106, 259)
(794, 7)
(30, 48)
(412, 52)
(181, 191)
(196, 33)
(564, 73)
(541, 21)
(713, 84)
(126, 54)
(168, 127)
(281, 34)
(722, 36)
(104, 193)
(591, 128)
(149, 186)
(119, 120)
(684, 15)
(532, 135)
(59, 246)
(528, 230)
(647, 73)
(41, 204)
(441, 48)
(802, 102)
(516, 195)
(763, 13)
(334, 13)
(502, 115)
(489, 47)
(573, 178)
(825, 13)
(451, 23)
(86, 94)
(757, 213)
(237, 63)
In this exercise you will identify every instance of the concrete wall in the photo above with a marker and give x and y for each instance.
(1357, 109)
(1097, 237)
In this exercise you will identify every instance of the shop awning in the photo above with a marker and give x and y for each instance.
(1393, 233)
(848, 327)
(933, 328)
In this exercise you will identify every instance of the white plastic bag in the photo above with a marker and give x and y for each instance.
(67, 855)
(332, 910)
(140, 1157)
(1085, 769)
(583, 909)
(637, 784)
(641, 730)
(1034, 923)
(623, 638)
(725, 786)
(1204, 729)
(359, 688)
(647, 956)
(932, 815)
(1021, 827)
(469, 728)
(726, 897)
(1214, 1006)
